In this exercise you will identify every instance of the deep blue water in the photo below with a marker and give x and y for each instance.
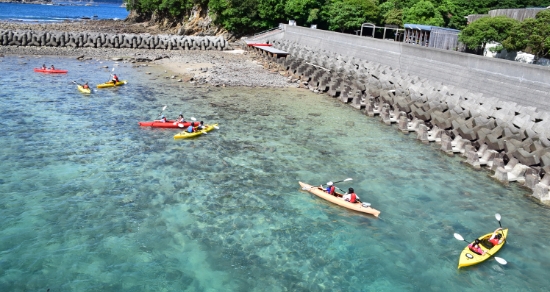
(90, 201)
(60, 11)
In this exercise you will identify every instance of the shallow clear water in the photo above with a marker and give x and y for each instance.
(92, 202)
(61, 12)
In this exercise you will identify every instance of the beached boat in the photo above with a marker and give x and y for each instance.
(470, 258)
(84, 90)
(53, 71)
(185, 134)
(359, 207)
(168, 124)
(110, 84)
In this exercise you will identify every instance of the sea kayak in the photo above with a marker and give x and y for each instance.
(168, 124)
(185, 134)
(84, 90)
(359, 207)
(49, 70)
(110, 84)
(470, 258)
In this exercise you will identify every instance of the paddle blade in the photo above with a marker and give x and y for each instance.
(163, 108)
(459, 237)
(181, 126)
(501, 261)
(348, 179)
(497, 216)
(193, 119)
(216, 127)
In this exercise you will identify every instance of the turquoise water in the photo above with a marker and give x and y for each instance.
(92, 202)
(62, 11)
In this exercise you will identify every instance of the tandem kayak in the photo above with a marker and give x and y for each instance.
(168, 124)
(49, 70)
(111, 84)
(359, 207)
(84, 90)
(185, 134)
(470, 258)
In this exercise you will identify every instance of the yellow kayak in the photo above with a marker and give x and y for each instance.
(185, 134)
(84, 90)
(110, 84)
(470, 258)
(359, 207)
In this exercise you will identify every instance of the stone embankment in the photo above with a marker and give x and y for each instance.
(106, 40)
(508, 139)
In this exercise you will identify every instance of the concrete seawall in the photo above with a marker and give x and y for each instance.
(524, 84)
(495, 113)
(104, 40)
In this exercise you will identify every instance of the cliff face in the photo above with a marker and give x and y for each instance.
(196, 23)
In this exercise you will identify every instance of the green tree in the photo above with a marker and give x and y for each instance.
(423, 12)
(391, 13)
(532, 35)
(303, 11)
(487, 29)
(344, 15)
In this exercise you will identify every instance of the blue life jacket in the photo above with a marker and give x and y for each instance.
(190, 129)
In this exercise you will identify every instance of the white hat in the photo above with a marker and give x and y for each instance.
(329, 183)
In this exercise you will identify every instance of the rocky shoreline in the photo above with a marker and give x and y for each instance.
(216, 68)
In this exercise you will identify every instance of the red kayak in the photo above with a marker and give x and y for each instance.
(168, 124)
(50, 70)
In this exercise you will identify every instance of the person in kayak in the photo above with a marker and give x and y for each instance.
(200, 126)
(44, 67)
(52, 68)
(496, 238)
(351, 196)
(115, 79)
(163, 119)
(86, 86)
(474, 246)
(181, 119)
(331, 189)
(190, 129)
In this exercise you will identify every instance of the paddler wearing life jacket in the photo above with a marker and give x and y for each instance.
(44, 67)
(52, 68)
(496, 238)
(331, 189)
(190, 129)
(351, 196)
(163, 119)
(115, 79)
(200, 126)
(85, 86)
(476, 248)
(181, 119)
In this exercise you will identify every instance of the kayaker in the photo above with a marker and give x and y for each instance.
(181, 119)
(330, 189)
(476, 248)
(44, 67)
(163, 119)
(496, 238)
(200, 126)
(115, 79)
(351, 196)
(190, 129)
(52, 68)
(85, 86)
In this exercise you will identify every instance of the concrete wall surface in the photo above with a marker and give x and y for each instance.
(525, 84)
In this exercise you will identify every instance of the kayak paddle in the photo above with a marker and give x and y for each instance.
(497, 216)
(161, 111)
(499, 260)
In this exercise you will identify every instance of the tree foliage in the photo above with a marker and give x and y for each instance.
(423, 12)
(344, 15)
(244, 16)
(531, 35)
(487, 29)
